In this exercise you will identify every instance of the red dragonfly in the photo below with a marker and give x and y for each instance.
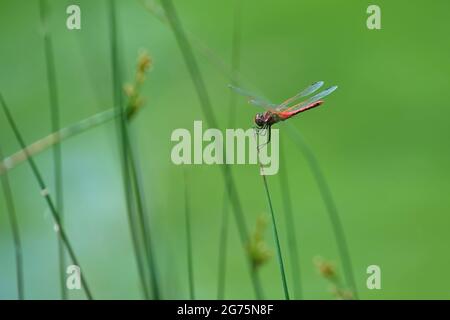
(287, 109)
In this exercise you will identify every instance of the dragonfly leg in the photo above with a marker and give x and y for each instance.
(267, 130)
(262, 131)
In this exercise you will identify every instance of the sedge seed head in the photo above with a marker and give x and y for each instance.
(325, 268)
(257, 248)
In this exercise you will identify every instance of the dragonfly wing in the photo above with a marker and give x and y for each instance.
(313, 99)
(305, 92)
(253, 98)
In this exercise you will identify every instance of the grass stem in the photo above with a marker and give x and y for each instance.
(235, 65)
(143, 221)
(46, 194)
(290, 227)
(333, 213)
(197, 79)
(274, 227)
(223, 246)
(15, 232)
(56, 137)
(187, 211)
(277, 240)
(55, 125)
(123, 145)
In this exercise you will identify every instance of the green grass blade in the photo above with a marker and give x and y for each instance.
(235, 65)
(46, 142)
(55, 125)
(15, 232)
(143, 221)
(223, 246)
(333, 213)
(45, 193)
(290, 227)
(205, 103)
(123, 146)
(275, 230)
(187, 211)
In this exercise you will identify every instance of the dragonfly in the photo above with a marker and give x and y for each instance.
(289, 108)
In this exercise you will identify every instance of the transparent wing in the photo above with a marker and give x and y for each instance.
(305, 92)
(252, 98)
(313, 99)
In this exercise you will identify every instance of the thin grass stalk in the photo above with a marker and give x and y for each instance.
(277, 240)
(46, 194)
(197, 79)
(223, 241)
(55, 125)
(12, 215)
(152, 7)
(187, 211)
(332, 210)
(290, 227)
(235, 65)
(142, 215)
(123, 146)
(141, 209)
(48, 141)
(274, 225)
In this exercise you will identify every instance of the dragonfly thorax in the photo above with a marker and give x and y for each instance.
(266, 119)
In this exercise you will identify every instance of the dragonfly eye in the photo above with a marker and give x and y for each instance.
(259, 120)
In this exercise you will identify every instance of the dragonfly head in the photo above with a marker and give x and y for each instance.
(259, 120)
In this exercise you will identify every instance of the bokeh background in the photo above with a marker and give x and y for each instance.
(381, 139)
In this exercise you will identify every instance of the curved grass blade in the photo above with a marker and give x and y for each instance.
(332, 210)
(187, 212)
(235, 66)
(123, 145)
(205, 104)
(55, 125)
(46, 142)
(274, 227)
(12, 215)
(45, 193)
(290, 227)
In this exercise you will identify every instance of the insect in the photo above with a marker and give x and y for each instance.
(287, 109)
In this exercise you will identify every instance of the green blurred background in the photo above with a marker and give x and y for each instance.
(381, 139)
